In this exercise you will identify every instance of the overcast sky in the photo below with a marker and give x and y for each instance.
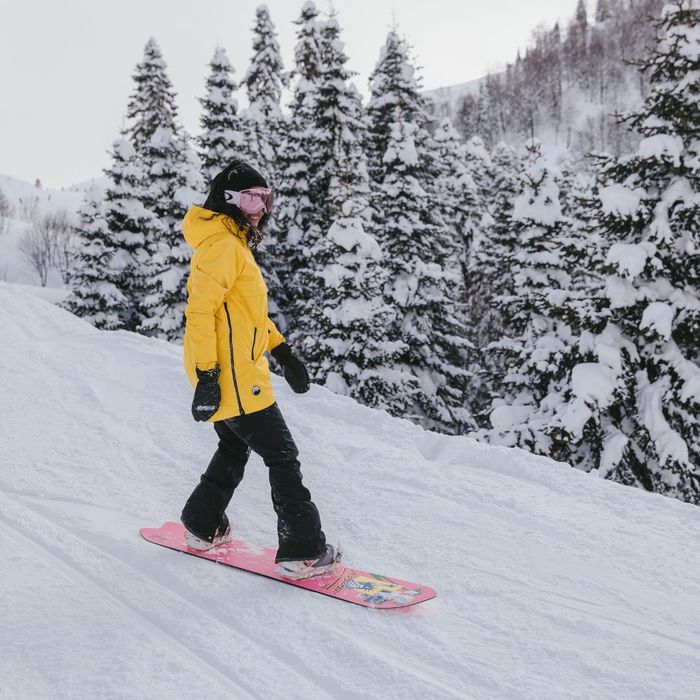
(67, 64)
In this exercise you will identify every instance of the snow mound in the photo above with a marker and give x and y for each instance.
(546, 577)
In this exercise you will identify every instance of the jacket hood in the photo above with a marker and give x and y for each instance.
(199, 224)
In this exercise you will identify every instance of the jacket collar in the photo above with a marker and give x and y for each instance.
(200, 224)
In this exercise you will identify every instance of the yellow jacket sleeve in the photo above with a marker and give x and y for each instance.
(274, 337)
(213, 274)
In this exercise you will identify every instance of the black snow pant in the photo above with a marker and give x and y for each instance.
(266, 433)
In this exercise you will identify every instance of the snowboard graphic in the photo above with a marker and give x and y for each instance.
(345, 583)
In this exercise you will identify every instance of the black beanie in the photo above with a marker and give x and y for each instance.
(241, 176)
(236, 176)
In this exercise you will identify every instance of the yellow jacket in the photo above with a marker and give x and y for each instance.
(226, 314)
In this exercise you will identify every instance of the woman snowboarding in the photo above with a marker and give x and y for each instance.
(227, 334)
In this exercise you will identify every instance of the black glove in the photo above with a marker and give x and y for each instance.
(292, 367)
(207, 395)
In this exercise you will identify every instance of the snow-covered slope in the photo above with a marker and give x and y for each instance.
(28, 201)
(551, 583)
(447, 99)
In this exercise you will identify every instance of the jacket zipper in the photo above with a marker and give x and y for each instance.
(230, 349)
(252, 349)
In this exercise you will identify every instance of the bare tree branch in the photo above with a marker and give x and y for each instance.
(50, 243)
(6, 211)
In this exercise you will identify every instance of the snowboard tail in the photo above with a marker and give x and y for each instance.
(344, 582)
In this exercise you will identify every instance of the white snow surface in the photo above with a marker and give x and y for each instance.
(551, 583)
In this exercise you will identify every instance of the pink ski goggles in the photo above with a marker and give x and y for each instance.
(252, 201)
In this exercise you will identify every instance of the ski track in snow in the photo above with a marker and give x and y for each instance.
(551, 583)
(109, 553)
(65, 564)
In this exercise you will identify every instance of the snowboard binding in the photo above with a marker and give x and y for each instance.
(312, 568)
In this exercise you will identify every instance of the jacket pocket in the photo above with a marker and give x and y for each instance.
(252, 347)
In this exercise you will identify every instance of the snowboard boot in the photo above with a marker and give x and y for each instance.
(310, 568)
(223, 535)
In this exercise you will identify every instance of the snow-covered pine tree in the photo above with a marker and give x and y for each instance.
(399, 145)
(339, 132)
(94, 281)
(307, 51)
(480, 166)
(263, 119)
(324, 143)
(264, 128)
(573, 179)
(172, 171)
(602, 11)
(458, 200)
(339, 304)
(462, 214)
(581, 245)
(131, 225)
(169, 180)
(347, 348)
(329, 114)
(298, 155)
(394, 95)
(626, 401)
(485, 113)
(284, 250)
(489, 274)
(420, 289)
(534, 344)
(650, 211)
(222, 138)
(152, 103)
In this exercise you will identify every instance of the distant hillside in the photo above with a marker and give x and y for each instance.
(24, 195)
(24, 203)
(447, 100)
(566, 86)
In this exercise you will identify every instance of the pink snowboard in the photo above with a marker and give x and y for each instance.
(353, 585)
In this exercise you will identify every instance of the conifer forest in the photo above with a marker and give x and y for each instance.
(519, 263)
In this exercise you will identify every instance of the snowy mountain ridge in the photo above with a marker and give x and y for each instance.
(446, 99)
(566, 86)
(551, 583)
(19, 191)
